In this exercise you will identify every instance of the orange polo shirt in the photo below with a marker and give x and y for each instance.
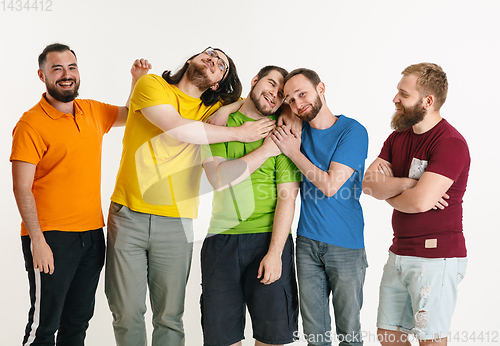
(67, 153)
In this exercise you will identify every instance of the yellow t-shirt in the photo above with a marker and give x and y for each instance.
(159, 174)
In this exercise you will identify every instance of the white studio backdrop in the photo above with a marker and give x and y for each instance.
(359, 49)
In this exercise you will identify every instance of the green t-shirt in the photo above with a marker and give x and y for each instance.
(249, 206)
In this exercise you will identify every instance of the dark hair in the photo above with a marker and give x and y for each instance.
(229, 89)
(54, 47)
(267, 69)
(309, 74)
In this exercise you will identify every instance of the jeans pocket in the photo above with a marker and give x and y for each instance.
(115, 208)
(461, 269)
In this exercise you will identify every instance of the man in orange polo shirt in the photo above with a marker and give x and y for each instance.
(56, 169)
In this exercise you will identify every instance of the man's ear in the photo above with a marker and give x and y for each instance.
(41, 75)
(254, 81)
(215, 86)
(320, 88)
(428, 101)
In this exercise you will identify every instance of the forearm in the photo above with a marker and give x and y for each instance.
(283, 218)
(196, 132)
(383, 187)
(222, 174)
(27, 208)
(326, 182)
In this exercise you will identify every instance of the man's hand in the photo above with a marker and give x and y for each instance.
(140, 67)
(43, 258)
(287, 118)
(441, 204)
(270, 268)
(252, 131)
(287, 140)
(222, 114)
(385, 168)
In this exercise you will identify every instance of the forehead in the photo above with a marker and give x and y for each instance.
(59, 58)
(275, 76)
(408, 83)
(296, 83)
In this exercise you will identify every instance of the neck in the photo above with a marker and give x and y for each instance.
(324, 120)
(248, 108)
(430, 120)
(188, 88)
(65, 107)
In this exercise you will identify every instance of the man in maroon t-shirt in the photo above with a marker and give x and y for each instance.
(422, 173)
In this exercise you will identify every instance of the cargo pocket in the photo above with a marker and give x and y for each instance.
(292, 306)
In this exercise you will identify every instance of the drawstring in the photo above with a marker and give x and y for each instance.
(81, 239)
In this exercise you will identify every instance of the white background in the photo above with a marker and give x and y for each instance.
(358, 48)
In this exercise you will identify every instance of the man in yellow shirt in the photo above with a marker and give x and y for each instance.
(150, 228)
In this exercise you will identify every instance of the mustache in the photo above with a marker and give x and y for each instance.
(66, 80)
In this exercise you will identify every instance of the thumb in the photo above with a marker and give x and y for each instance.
(260, 271)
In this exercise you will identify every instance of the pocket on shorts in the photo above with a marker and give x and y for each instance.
(461, 269)
(292, 306)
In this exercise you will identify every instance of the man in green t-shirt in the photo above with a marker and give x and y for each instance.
(247, 257)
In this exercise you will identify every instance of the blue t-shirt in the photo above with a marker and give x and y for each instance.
(336, 220)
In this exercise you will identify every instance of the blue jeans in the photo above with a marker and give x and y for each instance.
(323, 268)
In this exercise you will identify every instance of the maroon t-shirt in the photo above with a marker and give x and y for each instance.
(441, 150)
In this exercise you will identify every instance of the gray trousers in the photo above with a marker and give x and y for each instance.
(147, 251)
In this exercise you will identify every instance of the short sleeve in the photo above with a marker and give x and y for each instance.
(106, 114)
(27, 145)
(352, 147)
(216, 149)
(286, 171)
(385, 153)
(449, 158)
(149, 91)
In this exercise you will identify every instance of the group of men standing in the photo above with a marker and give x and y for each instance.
(256, 170)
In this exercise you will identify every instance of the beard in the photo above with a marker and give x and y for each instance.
(197, 75)
(313, 112)
(408, 117)
(260, 106)
(64, 95)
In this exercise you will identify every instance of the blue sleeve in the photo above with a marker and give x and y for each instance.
(352, 148)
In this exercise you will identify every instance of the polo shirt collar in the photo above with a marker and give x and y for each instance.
(54, 113)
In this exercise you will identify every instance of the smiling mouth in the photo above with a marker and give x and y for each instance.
(303, 109)
(66, 84)
(269, 100)
(208, 65)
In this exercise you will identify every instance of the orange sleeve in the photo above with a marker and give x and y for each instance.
(27, 145)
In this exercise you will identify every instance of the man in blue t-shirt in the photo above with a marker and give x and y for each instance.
(330, 246)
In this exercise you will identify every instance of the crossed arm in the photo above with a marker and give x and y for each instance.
(405, 194)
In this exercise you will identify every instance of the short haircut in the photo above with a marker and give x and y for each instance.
(267, 69)
(309, 74)
(431, 81)
(54, 47)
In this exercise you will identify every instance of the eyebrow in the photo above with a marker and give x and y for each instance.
(59, 65)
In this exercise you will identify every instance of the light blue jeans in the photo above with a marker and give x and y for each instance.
(323, 269)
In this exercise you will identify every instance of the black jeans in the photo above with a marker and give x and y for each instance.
(64, 301)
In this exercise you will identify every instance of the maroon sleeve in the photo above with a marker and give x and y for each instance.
(386, 153)
(449, 157)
